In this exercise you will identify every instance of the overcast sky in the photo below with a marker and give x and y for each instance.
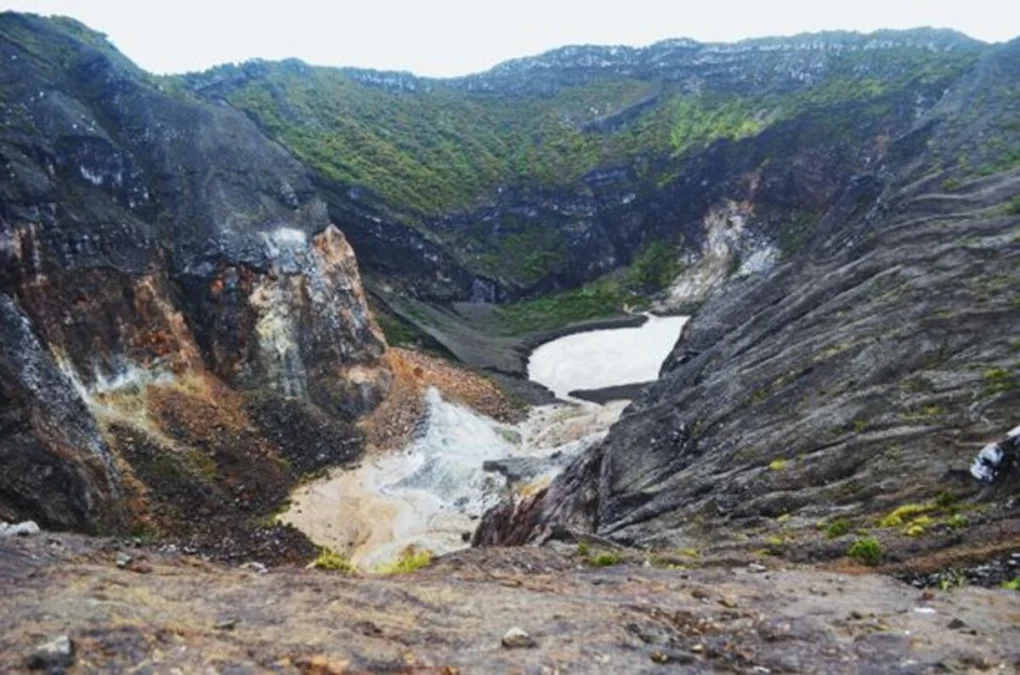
(456, 37)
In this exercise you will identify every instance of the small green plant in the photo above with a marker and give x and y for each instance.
(950, 184)
(866, 551)
(952, 579)
(837, 528)
(410, 559)
(998, 381)
(605, 559)
(784, 518)
(899, 515)
(1013, 585)
(331, 561)
(957, 521)
(945, 499)
(583, 549)
(918, 526)
(777, 464)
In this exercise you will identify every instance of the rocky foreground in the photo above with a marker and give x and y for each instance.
(84, 605)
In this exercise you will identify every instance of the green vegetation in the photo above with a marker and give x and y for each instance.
(332, 561)
(599, 299)
(410, 559)
(1013, 585)
(957, 521)
(866, 551)
(1014, 206)
(583, 549)
(777, 464)
(899, 515)
(397, 331)
(918, 526)
(653, 268)
(436, 146)
(605, 559)
(837, 528)
(945, 499)
(999, 381)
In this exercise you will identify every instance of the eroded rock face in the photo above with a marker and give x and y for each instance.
(864, 373)
(160, 261)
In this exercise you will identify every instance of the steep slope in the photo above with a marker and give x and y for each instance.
(183, 328)
(548, 172)
(862, 375)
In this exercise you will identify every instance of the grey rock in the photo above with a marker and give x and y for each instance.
(27, 528)
(256, 567)
(53, 655)
(517, 638)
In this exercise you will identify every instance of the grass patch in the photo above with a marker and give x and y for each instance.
(957, 521)
(999, 381)
(331, 561)
(866, 551)
(605, 559)
(1013, 585)
(597, 300)
(778, 464)
(918, 526)
(837, 528)
(902, 514)
(410, 559)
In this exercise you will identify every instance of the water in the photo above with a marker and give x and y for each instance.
(605, 358)
(431, 494)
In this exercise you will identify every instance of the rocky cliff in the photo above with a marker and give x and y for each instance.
(181, 320)
(858, 377)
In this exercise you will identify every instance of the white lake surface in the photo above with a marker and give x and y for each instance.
(605, 358)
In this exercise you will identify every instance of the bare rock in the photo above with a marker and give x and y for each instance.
(27, 528)
(516, 638)
(53, 655)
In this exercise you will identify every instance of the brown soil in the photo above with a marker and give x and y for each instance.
(172, 613)
(392, 424)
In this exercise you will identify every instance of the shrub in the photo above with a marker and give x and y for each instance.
(410, 559)
(583, 549)
(332, 561)
(777, 464)
(867, 551)
(998, 381)
(1013, 585)
(918, 526)
(957, 521)
(898, 516)
(605, 559)
(1014, 205)
(837, 528)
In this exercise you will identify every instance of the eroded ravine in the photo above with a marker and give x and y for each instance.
(460, 463)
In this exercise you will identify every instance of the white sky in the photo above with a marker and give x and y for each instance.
(456, 37)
